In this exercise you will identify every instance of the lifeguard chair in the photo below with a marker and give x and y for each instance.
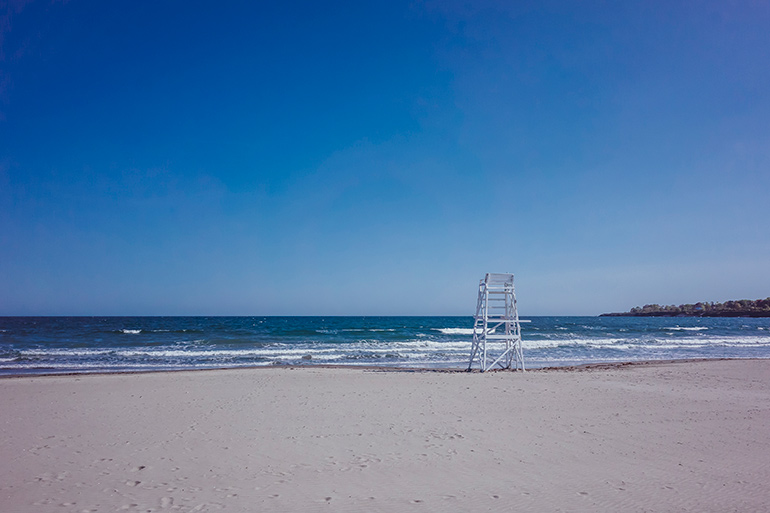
(496, 322)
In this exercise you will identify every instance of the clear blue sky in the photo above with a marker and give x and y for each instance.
(377, 158)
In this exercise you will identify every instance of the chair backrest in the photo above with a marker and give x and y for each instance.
(499, 280)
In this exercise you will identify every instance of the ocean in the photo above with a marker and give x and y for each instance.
(53, 345)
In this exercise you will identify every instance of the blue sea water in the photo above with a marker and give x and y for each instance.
(49, 345)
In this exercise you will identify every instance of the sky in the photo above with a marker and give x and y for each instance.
(379, 157)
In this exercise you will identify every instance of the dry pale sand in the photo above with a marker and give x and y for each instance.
(689, 436)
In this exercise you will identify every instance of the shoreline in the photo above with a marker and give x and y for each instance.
(639, 436)
(382, 368)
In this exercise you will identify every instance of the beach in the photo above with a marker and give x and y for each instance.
(655, 436)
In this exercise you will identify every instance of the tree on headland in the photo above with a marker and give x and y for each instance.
(737, 308)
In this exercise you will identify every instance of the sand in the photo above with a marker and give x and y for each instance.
(691, 436)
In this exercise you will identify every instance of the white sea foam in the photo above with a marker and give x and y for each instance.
(274, 351)
(64, 352)
(571, 342)
(431, 344)
(404, 348)
(131, 332)
(455, 331)
(683, 328)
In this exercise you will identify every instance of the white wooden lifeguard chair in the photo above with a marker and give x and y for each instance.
(497, 322)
